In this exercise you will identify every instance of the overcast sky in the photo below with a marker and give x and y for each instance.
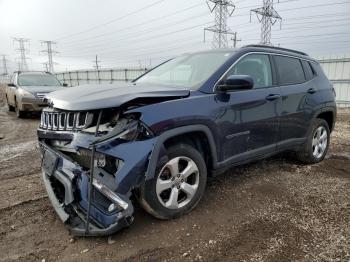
(139, 33)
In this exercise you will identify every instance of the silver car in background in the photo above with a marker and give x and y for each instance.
(26, 91)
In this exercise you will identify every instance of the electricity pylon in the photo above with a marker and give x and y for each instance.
(22, 65)
(50, 53)
(267, 16)
(222, 9)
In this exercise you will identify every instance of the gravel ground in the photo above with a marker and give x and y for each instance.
(272, 210)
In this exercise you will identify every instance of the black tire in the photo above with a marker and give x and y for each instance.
(305, 154)
(148, 195)
(9, 107)
(19, 113)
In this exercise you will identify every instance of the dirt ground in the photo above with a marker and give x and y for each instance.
(272, 210)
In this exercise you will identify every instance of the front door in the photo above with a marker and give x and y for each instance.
(251, 116)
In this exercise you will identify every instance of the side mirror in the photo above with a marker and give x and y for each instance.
(236, 82)
(65, 84)
(11, 85)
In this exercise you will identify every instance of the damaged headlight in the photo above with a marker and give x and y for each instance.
(130, 133)
(134, 130)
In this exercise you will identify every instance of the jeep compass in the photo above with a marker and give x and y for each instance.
(157, 139)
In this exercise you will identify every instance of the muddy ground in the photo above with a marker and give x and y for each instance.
(273, 210)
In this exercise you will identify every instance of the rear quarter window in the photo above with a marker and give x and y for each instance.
(290, 70)
(309, 72)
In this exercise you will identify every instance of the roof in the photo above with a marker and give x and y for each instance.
(278, 49)
(261, 48)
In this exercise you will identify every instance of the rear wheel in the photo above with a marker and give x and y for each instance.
(178, 185)
(316, 146)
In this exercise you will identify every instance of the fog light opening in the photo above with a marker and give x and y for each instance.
(112, 207)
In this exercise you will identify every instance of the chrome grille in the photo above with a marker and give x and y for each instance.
(56, 120)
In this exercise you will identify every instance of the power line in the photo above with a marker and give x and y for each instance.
(137, 25)
(162, 43)
(50, 53)
(168, 33)
(132, 35)
(138, 33)
(113, 20)
(222, 10)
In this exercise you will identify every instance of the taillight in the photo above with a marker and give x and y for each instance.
(333, 90)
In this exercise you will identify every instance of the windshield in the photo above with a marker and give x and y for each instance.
(188, 70)
(38, 80)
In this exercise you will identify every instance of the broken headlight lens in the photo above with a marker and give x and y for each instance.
(130, 133)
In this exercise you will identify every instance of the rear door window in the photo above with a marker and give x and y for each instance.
(289, 70)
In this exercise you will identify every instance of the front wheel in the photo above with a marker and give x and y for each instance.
(316, 146)
(19, 113)
(178, 185)
(9, 107)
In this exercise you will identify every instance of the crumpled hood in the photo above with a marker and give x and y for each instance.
(89, 97)
(42, 89)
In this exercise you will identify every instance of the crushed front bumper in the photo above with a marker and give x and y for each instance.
(70, 197)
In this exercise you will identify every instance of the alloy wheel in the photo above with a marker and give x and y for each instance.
(177, 182)
(319, 142)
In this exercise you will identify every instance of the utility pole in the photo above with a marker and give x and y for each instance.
(50, 53)
(235, 40)
(96, 63)
(46, 67)
(222, 9)
(267, 16)
(97, 67)
(23, 66)
(4, 66)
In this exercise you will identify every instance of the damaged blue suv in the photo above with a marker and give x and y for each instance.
(158, 139)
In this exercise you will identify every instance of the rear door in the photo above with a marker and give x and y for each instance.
(297, 111)
(251, 116)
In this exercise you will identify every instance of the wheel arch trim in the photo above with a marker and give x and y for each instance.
(159, 149)
(325, 109)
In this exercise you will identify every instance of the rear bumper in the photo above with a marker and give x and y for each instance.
(71, 206)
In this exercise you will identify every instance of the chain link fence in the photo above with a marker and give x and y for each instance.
(103, 76)
(337, 69)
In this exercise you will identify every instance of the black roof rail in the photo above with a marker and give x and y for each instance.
(278, 48)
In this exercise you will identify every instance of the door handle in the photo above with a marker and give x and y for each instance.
(272, 97)
(312, 90)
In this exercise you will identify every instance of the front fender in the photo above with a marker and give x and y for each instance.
(159, 151)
